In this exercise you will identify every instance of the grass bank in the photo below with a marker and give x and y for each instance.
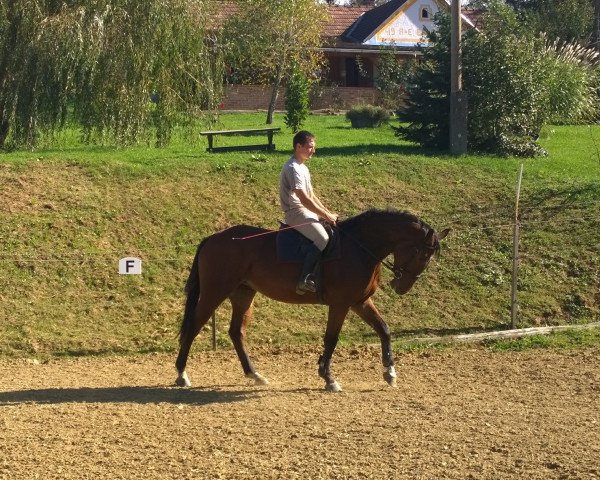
(69, 212)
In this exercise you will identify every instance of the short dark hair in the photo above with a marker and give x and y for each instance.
(302, 138)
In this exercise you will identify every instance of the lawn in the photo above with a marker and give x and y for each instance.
(70, 211)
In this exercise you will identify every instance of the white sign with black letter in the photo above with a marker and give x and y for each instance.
(130, 266)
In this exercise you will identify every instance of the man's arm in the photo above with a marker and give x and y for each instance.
(314, 205)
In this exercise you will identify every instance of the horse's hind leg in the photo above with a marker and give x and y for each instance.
(205, 307)
(241, 303)
(368, 312)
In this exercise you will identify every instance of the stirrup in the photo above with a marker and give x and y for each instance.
(307, 284)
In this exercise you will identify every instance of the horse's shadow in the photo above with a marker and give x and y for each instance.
(139, 395)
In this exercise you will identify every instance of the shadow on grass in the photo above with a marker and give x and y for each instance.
(547, 203)
(378, 148)
(139, 395)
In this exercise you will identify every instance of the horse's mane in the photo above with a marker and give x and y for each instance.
(401, 216)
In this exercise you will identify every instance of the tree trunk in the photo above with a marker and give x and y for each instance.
(274, 95)
(596, 32)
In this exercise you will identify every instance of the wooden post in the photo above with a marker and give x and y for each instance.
(458, 98)
(513, 301)
(214, 331)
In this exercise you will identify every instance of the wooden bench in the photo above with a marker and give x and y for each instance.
(248, 132)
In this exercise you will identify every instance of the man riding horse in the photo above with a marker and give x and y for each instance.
(303, 209)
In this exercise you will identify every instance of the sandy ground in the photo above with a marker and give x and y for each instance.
(461, 414)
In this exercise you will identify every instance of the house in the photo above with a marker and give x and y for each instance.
(352, 43)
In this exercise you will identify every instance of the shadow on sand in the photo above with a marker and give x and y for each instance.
(139, 395)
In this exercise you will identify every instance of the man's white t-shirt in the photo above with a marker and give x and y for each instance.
(294, 176)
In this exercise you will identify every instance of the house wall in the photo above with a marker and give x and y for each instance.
(256, 97)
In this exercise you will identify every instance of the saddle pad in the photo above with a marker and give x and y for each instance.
(289, 246)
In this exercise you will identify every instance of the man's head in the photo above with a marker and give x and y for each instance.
(304, 145)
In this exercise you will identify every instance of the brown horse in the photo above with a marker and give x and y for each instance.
(230, 265)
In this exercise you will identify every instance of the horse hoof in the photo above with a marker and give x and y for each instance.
(183, 380)
(389, 375)
(333, 387)
(391, 381)
(258, 378)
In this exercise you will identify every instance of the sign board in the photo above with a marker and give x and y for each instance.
(130, 266)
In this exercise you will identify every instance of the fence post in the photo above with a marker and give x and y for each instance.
(214, 331)
(515, 269)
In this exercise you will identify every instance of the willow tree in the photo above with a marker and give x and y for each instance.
(123, 70)
(265, 38)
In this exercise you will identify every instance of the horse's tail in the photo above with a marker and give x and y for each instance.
(192, 290)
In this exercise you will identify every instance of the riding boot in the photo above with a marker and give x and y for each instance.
(311, 260)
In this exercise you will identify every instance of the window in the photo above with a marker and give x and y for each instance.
(425, 13)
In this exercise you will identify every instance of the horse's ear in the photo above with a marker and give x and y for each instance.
(443, 234)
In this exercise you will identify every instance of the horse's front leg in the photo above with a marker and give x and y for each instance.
(368, 312)
(335, 320)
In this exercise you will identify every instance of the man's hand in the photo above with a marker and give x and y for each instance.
(331, 218)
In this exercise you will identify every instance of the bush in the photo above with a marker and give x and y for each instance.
(367, 116)
(296, 99)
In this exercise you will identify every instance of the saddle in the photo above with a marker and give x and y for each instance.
(291, 245)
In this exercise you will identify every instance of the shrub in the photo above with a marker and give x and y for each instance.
(367, 116)
(572, 82)
(296, 99)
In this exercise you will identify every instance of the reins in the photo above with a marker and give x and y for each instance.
(269, 232)
(383, 261)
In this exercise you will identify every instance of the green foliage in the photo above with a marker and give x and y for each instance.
(367, 116)
(427, 108)
(296, 99)
(265, 38)
(516, 82)
(101, 61)
(392, 77)
(567, 20)
(505, 79)
(573, 82)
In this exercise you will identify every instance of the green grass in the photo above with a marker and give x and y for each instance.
(566, 340)
(70, 212)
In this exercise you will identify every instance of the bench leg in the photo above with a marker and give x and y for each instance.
(270, 135)
(210, 143)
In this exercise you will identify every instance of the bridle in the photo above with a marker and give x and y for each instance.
(403, 270)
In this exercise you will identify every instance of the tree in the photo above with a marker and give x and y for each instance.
(569, 20)
(297, 91)
(392, 77)
(101, 61)
(266, 37)
(427, 107)
(516, 80)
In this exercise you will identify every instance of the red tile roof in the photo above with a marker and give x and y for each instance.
(341, 18)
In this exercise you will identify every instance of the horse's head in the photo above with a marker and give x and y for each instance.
(409, 262)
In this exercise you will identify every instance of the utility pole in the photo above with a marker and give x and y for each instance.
(458, 98)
